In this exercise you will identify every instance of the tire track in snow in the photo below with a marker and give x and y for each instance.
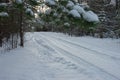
(55, 58)
(78, 45)
(80, 60)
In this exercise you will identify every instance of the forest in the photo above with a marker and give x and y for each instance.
(97, 18)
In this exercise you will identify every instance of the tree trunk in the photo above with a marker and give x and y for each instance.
(0, 39)
(21, 29)
(0, 42)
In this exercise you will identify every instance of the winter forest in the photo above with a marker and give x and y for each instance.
(98, 18)
(59, 39)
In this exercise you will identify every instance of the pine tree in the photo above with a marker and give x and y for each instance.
(67, 15)
(13, 17)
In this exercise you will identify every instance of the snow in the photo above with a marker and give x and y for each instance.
(55, 56)
(3, 4)
(19, 1)
(66, 24)
(65, 10)
(113, 2)
(4, 14)
(70, 4)
(74, 9)
(79, 9)
(75, 13)
(90, 16)
(29, 11)
(48, 11)
(55, 14)
(84, 5)
(50, 2)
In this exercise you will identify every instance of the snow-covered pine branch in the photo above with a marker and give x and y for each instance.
(50, 2)
(29, 12)
(75, 13)
(19, 1)
(113, 2)
(3, 4)
(4, 14)
(90, 16)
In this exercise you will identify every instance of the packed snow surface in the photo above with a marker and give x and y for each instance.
(55, 56)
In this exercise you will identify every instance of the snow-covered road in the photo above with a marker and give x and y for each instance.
(54, 56)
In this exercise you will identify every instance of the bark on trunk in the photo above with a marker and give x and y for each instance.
(21, 30)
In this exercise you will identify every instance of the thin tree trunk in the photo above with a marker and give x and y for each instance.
(21, 29)
(0, 39)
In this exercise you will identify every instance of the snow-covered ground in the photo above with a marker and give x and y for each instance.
(55, 56)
